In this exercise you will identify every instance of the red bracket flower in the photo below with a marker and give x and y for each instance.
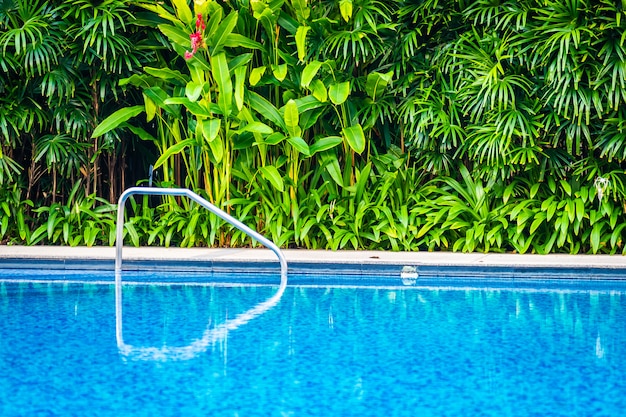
(196, 37)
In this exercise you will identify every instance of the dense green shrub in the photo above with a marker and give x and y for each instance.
(406, 125)
(61, 65)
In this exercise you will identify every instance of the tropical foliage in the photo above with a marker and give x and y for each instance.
(61, 64)
(479, 125)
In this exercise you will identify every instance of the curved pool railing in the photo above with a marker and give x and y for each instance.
(210, 335)
(183, 192)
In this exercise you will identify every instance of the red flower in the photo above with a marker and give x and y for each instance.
(196, 37)
(196, 41)
(200, 25)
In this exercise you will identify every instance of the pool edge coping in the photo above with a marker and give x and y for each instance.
(317, 262)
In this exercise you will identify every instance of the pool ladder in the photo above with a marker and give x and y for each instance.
(210, 335)
(183, 192)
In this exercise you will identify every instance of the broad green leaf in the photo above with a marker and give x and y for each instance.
(299, 144)
(309, 118)
(292, 118)
(258, 7)
(309, 72)
(183, 11)
(355, 137)
(168, 74)
(51, 223)
(214, 22)
(345, 6)
(570, 209)
(551, 209)
(217, 149)
(66, 232)
(141, 133)
(115, 119)
(176, 35)
(266, 109)
(534, 189)
(240, 79)
(224, 29)
(271, 174)
(614, 215)
(235, 40)
(194, 107)
(174, 150)
(238, 61)
(134, 236)
(158, 96)
(302, 10)
(257, 127)
(279, 71)
(596, 235)
(301, 41)
(193, 90)
(376, 84)
(160, 10)
(539, 219)
(136, 80)
(339, 92)
(211, 128)
(308, 103)
(256, 74)
(362, 182)
(221, 75)
(566, 187)
(331, 164)
(4, 226)
(275, 138)
(616, 236)
(198, 71)
(151, 107)
(325, 144)
(319, 91)
(199, 62)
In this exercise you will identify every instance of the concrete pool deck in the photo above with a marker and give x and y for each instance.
(318, 262)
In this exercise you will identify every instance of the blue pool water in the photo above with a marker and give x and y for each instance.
(330, 351)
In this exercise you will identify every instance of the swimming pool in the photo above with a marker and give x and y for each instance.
(434, 348)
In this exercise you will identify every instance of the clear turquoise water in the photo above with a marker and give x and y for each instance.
(436, 351)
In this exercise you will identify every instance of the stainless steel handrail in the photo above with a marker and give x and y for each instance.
(211, 335)
(119, 228)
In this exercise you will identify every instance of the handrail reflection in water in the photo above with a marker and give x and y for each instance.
(209, 337)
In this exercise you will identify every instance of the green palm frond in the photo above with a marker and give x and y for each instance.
(507, 15)
(432, 120)
(611, 141)
(561, 34)
(7, 8)
(487, 77)
(60, 150)
(611, 46)
(353, 47)
(9, 169)
(73, 118)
